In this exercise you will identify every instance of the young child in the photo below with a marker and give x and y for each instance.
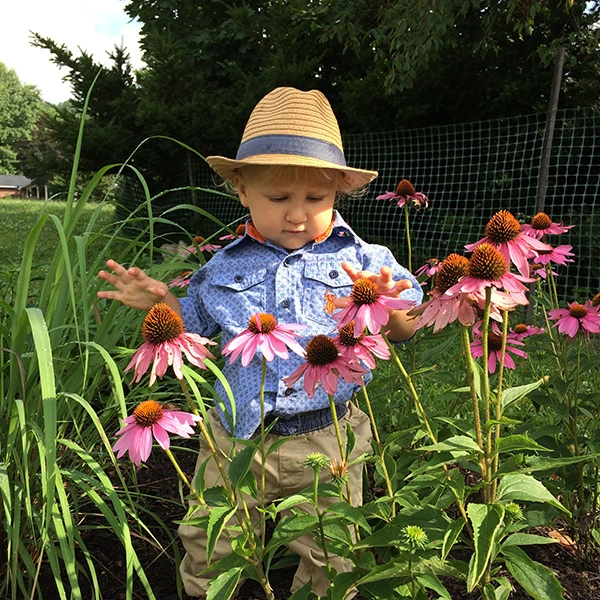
(289, 169)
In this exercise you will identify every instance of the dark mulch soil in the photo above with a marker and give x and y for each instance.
(580, 579)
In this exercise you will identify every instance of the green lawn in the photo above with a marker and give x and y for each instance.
(18, 216)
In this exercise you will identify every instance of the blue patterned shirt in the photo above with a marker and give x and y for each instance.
(250, 276)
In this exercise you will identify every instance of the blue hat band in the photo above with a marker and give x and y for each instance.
(294, 145)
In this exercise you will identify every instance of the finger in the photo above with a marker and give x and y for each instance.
(350, 270)
(386, 274)
(109, 295)
(403, 284)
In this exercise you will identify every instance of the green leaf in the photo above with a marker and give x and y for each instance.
(217, 520)
(457, 442)
(537, 580)
(350, 513)
(433, 583)
(525, 487)
(487, 520)
(451, 536)
(240, 465)
(292, 501)
(222, 587)
(516, 393)
(304, 593)
(514, 443)
(291, 528)
(526, 539)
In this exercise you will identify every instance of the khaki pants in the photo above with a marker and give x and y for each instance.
(286, 474)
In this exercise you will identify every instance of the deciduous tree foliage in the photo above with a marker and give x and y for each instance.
(383, 65)
(20, 108)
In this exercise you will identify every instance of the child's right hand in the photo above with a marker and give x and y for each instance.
(133, 287)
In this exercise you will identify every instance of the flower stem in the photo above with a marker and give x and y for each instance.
(262, 449)
(184, 478)
(380, 450)
(425, 420)
(499, 401)
(474, 400)
(408, 243)
(338, 434)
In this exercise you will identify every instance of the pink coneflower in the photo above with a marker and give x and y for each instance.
(182, 280)
(240, 230)
(325, 365)
(489, 268)
(594, 303)
(443, 309)
(165, 341)
(405, 193)
(578, 317)
(369, 307)
(430, 268)
(503, 231)
(495, 348)
(542, 225)
(558, 255)
(539, 270)
(150, 419)
(522, 331)
(264, 333)
(362, 347)
(200, 246)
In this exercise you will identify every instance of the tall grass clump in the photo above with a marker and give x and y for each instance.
(62, 390)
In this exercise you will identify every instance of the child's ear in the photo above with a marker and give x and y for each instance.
(240, 184)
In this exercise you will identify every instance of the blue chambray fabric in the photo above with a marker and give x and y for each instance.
(249, 276)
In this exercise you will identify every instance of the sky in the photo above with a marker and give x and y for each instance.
(95, 26)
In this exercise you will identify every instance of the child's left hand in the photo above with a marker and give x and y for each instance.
(383, 280)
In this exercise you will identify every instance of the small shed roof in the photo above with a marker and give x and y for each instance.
(14, 181)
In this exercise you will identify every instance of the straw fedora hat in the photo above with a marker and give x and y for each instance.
(292, 128)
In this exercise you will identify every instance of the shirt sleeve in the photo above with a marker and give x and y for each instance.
(377, 256)
(196, 318)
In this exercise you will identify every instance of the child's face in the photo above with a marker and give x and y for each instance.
(292, 209)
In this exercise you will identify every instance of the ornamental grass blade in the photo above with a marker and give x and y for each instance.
(487, 520)
(536, 579)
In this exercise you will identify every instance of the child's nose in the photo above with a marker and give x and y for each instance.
(296, 214)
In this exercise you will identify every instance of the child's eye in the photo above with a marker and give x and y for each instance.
(315, 198)
(278, 198)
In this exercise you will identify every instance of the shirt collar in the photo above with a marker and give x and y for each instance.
(337, 227)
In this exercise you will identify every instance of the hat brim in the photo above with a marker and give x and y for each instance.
(353, 178)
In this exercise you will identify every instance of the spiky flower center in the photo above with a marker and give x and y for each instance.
(453, 267)
(364, 291)
(494, 342)
(595, 300)
(339, 469)
(502, 227)
(162, 324)
(268, 323)
(487, 263)
(198, 239)
(414, 536)
(541, 221)
(578, 311)
(316, 460)
(433, 262)
(520, 328)
(346, 335)
(148, 413)
(405, 188)
(321, 350)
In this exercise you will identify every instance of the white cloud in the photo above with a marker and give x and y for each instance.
(94, 26)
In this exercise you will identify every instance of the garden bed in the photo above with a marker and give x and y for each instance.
(580, 579)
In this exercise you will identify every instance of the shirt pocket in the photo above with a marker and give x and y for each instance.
(237, 296)
(319, 278)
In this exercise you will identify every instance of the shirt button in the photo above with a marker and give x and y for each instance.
(334, 274)
(285, 303)
(238, 278)
(287, 262)
(288, 392)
